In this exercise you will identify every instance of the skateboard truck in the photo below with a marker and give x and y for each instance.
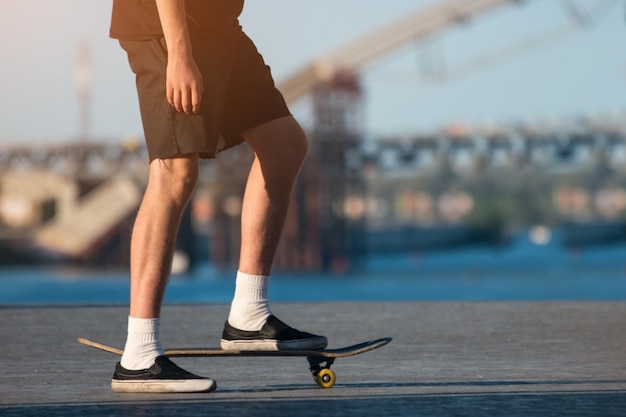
(321, 372)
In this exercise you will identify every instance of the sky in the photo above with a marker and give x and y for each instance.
(492, 69)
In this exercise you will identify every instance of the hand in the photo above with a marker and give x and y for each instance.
(184, 86)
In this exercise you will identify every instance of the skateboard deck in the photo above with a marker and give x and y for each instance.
(319, 360)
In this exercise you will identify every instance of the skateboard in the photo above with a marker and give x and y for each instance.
(320, 361)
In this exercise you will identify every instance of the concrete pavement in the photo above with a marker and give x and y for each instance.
(447, 359)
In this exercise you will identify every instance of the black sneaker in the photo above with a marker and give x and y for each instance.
(163, 376)
(275, 335)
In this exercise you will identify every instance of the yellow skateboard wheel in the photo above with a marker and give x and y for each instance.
(325, 378)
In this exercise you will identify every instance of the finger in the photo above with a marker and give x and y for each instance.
(196, 98)
(169, 94)
(186, 101)
(177, 101)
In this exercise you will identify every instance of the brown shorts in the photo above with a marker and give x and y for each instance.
(239, 93)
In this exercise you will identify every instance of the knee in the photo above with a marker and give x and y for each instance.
(298, 145)
(182, 182)
(294, 144)
(183, 185)
(282, 141)
(175, 181)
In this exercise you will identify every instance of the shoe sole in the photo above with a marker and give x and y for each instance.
(164, 385)
(274, 345)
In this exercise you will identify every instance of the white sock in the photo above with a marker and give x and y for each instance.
(142, 344)
(250, 307)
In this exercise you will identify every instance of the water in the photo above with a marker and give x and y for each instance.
(520, 271)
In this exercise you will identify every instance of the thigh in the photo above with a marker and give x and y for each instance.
(167, 132)
(252, 98)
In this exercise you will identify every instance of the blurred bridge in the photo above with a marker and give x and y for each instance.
(514, 147)
(568, 143)
(74, 159)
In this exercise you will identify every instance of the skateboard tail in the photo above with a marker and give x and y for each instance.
(100, 346)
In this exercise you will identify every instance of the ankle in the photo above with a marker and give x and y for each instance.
(143, 343)
(250, 307)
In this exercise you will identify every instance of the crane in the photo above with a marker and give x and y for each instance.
(351, 58)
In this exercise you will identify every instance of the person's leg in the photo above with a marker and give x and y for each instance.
(153, 239)
(280, 147)
(170, 186)
(143, 368)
